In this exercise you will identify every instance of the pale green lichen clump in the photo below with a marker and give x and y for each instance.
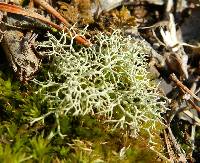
(108, 79)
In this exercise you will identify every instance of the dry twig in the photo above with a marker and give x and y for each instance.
(51, 10)
(183, 87)
(185, 90)
(21, 11)
(179, 151)
(169, 147)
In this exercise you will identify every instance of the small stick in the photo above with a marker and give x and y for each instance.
(51, 10)
(179, 151)
(21, 11)
(169, 147)
(182, 86)
(194, 105)
(156, 25)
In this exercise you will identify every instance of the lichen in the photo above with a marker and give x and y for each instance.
(108, 79)
(88, 138)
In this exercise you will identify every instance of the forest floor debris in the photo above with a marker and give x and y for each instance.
(174, 57)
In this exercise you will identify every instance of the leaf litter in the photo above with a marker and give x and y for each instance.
(171, 29)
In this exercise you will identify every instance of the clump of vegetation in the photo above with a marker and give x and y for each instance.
(97, 85)
(108, 79)
(87, 138)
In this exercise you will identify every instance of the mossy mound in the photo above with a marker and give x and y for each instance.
(43, 128)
